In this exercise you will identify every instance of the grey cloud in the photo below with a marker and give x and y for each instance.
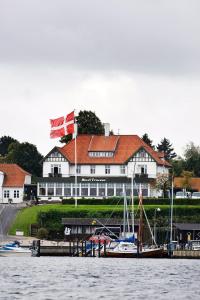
(140, 36)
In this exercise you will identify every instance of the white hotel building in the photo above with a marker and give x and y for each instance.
(105, 166)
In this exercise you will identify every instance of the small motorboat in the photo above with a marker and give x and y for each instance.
(14, 248)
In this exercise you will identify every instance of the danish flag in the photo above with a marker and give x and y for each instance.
(62, 126)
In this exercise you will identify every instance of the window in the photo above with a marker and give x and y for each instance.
(92, 169)
(16, 194)
(107, 169)
(110, 189)
(101, 154)
(119, 189)
(55, 170)
(67, 189)
(75, 189)
(142, 169)
(122, 169)
(50, 189)
(78, 169)
(6, 194)
(58, 189)
(84, 189)
(93, 189)
(42, 189)
(102, 189)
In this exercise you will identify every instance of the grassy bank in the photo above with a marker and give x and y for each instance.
(50, 215)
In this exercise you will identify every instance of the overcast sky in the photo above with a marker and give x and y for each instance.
(136, 64)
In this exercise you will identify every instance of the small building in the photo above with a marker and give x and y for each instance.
(105, 167)
(12, 181)
(184, 232)
(193, 184)
(83, 228)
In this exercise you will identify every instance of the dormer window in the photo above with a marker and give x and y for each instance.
(101, 153)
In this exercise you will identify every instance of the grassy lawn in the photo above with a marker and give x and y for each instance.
(28, 215)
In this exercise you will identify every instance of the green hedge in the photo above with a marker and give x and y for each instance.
(120, 201)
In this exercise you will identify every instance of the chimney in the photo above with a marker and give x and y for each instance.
(107, 129)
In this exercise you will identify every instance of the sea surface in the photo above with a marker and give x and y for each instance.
(98, 278)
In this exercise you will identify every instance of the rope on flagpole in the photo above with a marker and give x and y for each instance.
(76, 130)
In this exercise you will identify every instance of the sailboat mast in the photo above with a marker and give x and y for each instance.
(171, 214)
(141, 218)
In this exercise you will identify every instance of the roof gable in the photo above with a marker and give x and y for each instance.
(14, 175)
(142, 155)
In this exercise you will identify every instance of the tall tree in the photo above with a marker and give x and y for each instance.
(166, 147)
(147, 140)
(88, 123)
(178, 166)
(26, 156)
(192, 159)
(5, 142)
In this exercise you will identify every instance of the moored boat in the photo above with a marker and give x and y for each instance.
(14, 248)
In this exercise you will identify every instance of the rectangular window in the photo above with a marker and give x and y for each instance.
(75, 189)
(16, 194)
(92, 169)
(142, 169)
(119, 189)
(84, 189)
(102, 189)
(78, 169)
(67, 189)
(55, 170)
(6, 194)
(110, 189)
(107, 169)
(58, 189)
(42, 189)
(122, 169)
(93, 189)
(50, 189)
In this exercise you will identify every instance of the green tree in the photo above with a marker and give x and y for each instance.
(166, 147)
(5, 142)
(192, 159)
(26, 156)
(186, 183)
(88, 123)
(178, 166)
(147, 140)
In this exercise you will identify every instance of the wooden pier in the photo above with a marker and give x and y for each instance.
(79, 248)
(193, 254)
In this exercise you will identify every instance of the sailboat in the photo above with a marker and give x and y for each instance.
(135, 248)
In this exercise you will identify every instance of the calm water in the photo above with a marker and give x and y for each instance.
(98, 278)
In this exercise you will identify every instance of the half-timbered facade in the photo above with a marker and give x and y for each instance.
(105, 167)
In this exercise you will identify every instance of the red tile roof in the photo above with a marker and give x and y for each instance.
(193, 182)
(126, 147)
(103, 143)
(14, 175)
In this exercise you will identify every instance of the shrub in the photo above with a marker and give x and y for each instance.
(42, 233)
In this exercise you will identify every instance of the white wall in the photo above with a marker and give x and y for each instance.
(47, 168)
(162, 170)
(99, 171)
(1, 184)
(151, 168)
(11, 194)
(27, 179)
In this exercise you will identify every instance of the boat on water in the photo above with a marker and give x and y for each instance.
(14, 248)
(129, 246)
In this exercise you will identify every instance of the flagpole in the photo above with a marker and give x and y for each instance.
(76, 129)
